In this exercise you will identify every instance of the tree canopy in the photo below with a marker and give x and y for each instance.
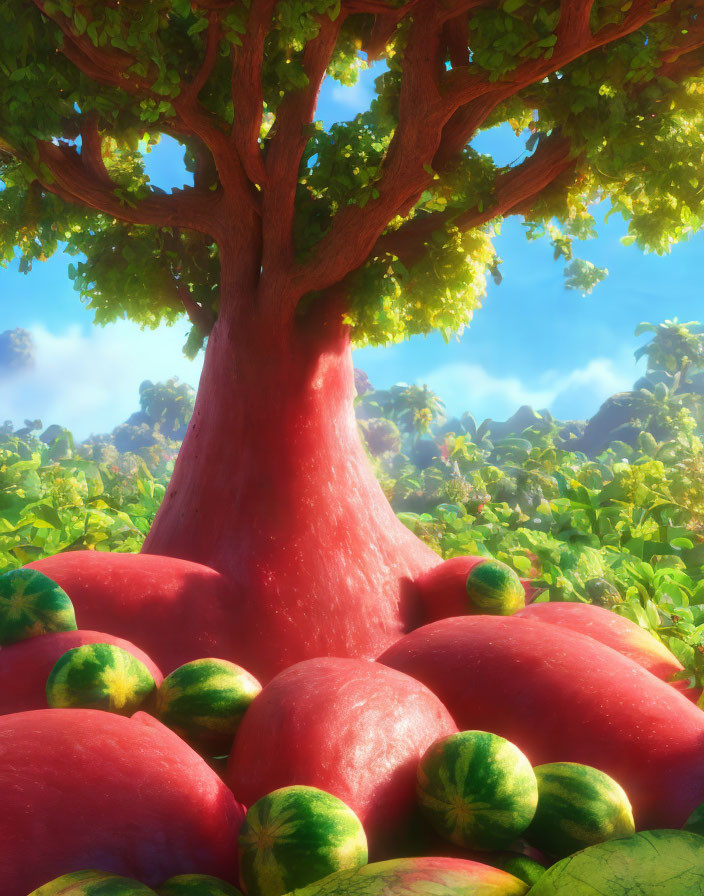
(395, 207)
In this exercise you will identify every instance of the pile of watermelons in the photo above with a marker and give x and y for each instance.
(497, 750)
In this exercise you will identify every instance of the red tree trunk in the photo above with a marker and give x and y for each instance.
(285, 546)
(272, 488)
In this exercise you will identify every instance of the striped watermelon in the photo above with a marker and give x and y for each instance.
(99, 676)
(295, 836)
(477, 789)
(578, 806)
(422, 876)
(203, 701)
(25, 666)
(695, 822)
(32, 604)
(493, 588)
(197, 885)
(650, 863)
(93, 883)
(523, 867)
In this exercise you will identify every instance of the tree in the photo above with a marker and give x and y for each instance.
(294, 240)
(17, 351)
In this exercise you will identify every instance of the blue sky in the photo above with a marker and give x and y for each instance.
(532, 342)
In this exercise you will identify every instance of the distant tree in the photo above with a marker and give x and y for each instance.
(295, 239)
(676, 349)
(17, 351)
(167, 406)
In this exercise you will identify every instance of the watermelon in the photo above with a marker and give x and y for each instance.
(203, 701)
(93, 883)
(477, 789)
(295, 836)
(650, 863)
(32, 604)
(442, 591)
(82, 788)
(99, 676)
(494, 588)
(615, 631)
(25, 667)
(564, 697)
(523, 867)
(353, 728)
(578, 806)
(421, 876)
(695, 822)
(197, 885)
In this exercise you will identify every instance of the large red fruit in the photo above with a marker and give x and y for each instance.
(615, 631)
(352, 727)
(25, 666)
(562, 696)
(174, 610)
(88, 789)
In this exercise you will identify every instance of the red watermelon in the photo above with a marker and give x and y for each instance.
(25, 666)
(88, 789)
(353, 728)
(564, 697)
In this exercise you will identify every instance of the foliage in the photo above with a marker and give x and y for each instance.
(395, 204)
(57, 501)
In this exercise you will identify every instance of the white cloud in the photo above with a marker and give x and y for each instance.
(89, 382)
(573, 394)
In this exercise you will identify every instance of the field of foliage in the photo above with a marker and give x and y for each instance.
(610, 511)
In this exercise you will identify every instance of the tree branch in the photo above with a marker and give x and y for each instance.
(462, 86)
(420, 120)
(247, 96)
(110, 67)
(73, 178)
(284, 155)
(212, 44)
(512, 190)
(207, 127)
(107, 66)
(573, 29)
(201, 318)
(92, 149)
(463, 101)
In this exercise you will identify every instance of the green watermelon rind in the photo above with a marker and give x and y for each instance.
(99, 676)
(32, 604)
(477, 790)
(196, 885)
(650, 863)
(578, 806)
(93, 883)
(523, 867)
(295, 836)
(204, 701)
(494, 589)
